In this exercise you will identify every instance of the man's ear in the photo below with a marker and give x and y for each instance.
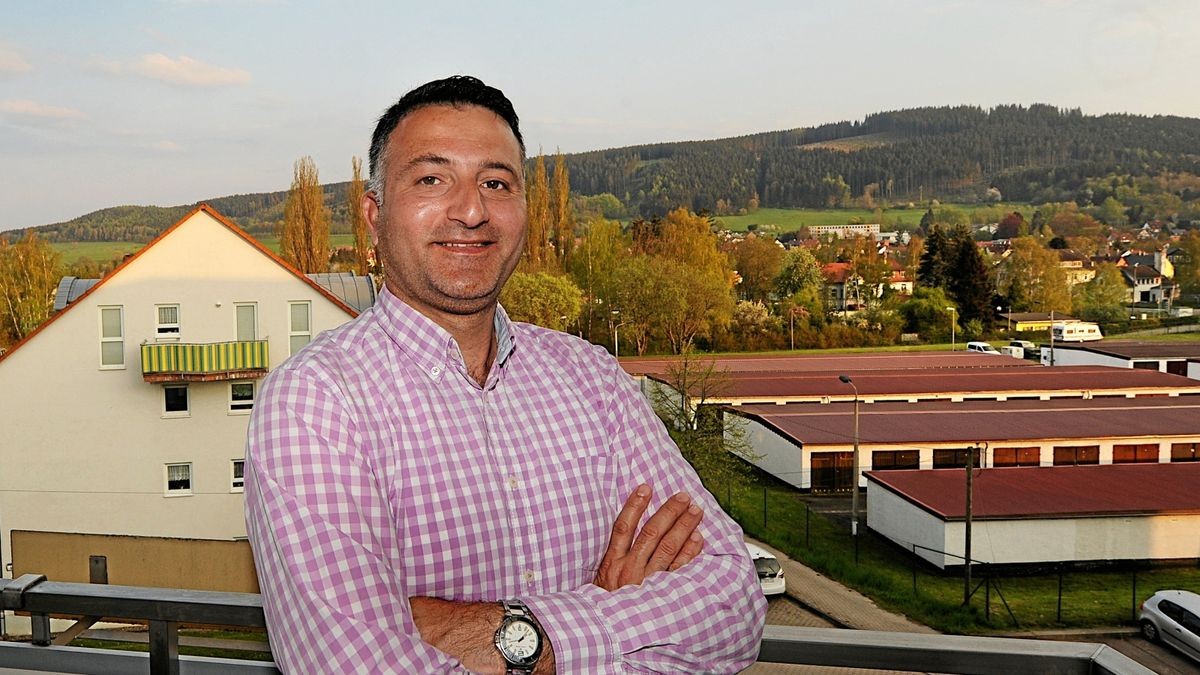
(370, 211)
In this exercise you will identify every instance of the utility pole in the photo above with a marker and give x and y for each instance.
(967, 543)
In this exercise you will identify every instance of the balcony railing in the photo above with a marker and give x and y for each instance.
(204, 362)
(166, 608)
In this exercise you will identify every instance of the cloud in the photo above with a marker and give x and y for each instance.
(33, 109)
(183, 71)
(11, 62)
(165, 146)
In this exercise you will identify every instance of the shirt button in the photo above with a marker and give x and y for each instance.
(529, 575)
(513, 482)
(435, 371)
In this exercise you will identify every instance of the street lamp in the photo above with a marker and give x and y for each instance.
(1000, 308)
(953, 324)
(616, 314)
(854, 494)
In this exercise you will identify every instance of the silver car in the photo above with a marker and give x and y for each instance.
(1173, 618)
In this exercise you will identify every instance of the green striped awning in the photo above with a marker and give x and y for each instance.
(202, 358)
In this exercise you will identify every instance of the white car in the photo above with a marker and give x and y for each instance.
(770, 572)
(1173, 618)
(982, 347)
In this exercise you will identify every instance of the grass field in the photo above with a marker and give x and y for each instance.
(790, 220)
(886, 574)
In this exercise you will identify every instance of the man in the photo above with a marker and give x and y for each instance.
(432, 487)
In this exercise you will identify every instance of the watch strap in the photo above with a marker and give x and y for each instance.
(515, 609)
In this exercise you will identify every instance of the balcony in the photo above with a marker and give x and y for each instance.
(204, 362)
(165, 608)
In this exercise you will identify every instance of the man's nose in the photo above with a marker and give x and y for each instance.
(466, 205)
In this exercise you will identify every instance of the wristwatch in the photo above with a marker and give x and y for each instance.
(519, 638)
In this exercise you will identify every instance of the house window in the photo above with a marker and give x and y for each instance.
(112, 337)
(168, 321)
(241, 397)
(247, 321)
(179, 479)
(888, 460)
(175, 401)
(1080, 454)
(299, 325)
(954, 458)
(1017, 457)
(1185, 452)
(1141, 453)
(239, 473)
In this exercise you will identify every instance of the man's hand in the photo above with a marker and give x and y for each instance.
(668, 541)
(465, 630)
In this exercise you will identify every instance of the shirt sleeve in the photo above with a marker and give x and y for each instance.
(707, 616)
(320, 533)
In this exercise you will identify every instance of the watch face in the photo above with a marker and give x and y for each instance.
(520, 640)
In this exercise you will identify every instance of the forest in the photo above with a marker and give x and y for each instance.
(1031, 154)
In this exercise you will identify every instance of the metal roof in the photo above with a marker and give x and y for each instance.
(1050, 492)
(830, 363)
(70, 288)
(1002, 381)
(1139, 349)
(996, 422)
(356, 291)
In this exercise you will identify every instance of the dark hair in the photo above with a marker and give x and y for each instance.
(457, 90)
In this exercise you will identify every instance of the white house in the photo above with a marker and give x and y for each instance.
(126, 412)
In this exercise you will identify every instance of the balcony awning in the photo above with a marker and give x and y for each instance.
(204, 362)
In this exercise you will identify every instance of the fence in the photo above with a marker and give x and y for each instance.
(816, 531)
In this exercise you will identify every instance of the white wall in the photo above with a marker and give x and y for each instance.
(84, 448)
(1078, 357)
(1158, 537)
(778, 455)
(899, 520)
(1193, 370)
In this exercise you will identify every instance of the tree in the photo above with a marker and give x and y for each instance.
(548, 300)
(358, 222)
(1102, 299)
(305, 237)
(925, 313)
(1187, 272)
(758, 260)
(561, 214)
(932, 270)
(1031, 279)
(713, 442)
(593, 266)
(1010, 225)
(968, 278)
(29, 272)
(801, 284)
(537, 199)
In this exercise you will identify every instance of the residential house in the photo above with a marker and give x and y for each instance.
(125, 414)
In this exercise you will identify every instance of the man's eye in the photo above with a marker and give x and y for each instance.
(495, 184)
(429, 180)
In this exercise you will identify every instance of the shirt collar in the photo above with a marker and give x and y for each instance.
(429, 345)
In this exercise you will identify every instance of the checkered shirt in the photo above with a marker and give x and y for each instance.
(379, 470)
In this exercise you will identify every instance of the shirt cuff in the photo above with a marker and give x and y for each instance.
(583, 642)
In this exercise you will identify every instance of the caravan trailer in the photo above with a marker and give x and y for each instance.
(1076, 332)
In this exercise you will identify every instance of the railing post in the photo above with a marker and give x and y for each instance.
(40, 624)
(164, 648)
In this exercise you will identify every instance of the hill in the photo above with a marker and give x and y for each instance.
(963, 153)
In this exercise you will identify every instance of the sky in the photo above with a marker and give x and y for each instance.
(169, 102)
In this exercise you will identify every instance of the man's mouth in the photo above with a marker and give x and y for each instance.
(461, 245)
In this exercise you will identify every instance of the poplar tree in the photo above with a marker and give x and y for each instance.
(305, 237)
(537, 196)
(561, 215)
(358, 222)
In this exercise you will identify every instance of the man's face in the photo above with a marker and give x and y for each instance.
(452, 225)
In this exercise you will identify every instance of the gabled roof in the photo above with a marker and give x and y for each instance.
(205, 208)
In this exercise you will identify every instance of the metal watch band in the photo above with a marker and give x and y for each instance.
(517, 610)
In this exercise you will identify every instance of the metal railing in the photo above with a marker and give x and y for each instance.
(166, 608)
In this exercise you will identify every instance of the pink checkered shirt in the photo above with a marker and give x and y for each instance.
(378, 470)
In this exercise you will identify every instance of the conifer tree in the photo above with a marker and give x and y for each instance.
(932, 270)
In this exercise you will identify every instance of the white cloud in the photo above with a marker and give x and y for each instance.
(184, 71)
(26, 108)
(166, 146)
(11, 62)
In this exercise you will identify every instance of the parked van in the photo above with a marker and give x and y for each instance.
(1076, 332)
(770, 572)
(982, 347)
